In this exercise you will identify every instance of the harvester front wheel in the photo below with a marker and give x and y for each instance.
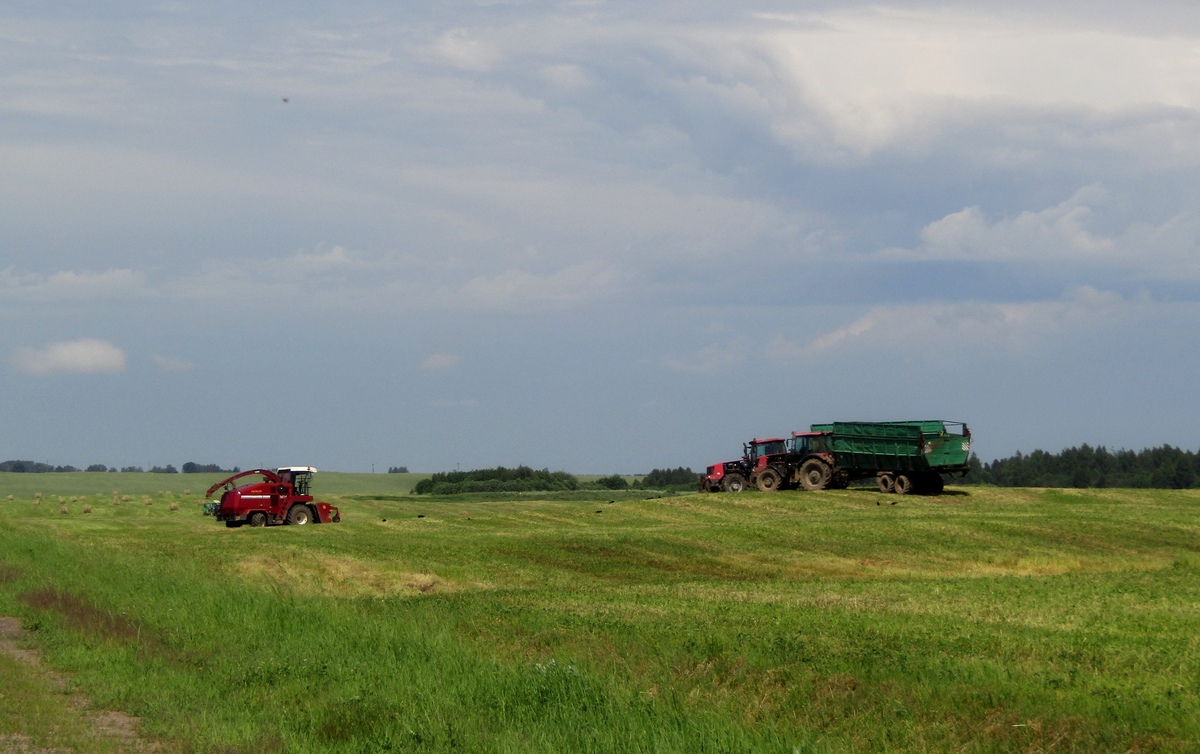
(904, 484)
(768, 480)
(258, 518)
(734, 483)
(814, 475)
(299, 515)
(887, 483)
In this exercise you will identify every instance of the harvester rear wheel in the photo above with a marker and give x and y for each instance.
(734, 483)
(768, 480)
(814, 475)
(887, 483)
(904, 484)
(258, 518)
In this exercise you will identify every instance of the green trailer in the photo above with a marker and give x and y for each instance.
(910, 456)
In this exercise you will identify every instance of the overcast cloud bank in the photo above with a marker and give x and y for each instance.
(585, 234)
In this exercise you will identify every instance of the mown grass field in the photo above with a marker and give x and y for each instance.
(984, 620)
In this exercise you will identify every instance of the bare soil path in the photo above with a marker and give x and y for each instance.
(116, 727)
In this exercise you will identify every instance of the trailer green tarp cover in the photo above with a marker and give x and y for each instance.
(913, 445)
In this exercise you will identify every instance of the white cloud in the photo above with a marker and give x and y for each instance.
(1056, 232)
(710, 359)
(923, 328)
(517, 289)
(460, 48)
(863, 79)
(1061, 234)
(70, 285)
(172, 363)
(84, 356)
(439, 362)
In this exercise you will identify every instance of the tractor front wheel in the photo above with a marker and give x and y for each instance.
(299, 515)
(768, 480)
(734, 483)
(814, 475)
(258, 518)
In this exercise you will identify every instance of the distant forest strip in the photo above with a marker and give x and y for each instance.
(33, 467)
(499, 479)
(526, 479)
(1085, 466)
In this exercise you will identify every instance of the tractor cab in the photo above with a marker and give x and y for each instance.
(757, 451)
(300, 477)
(810, 442)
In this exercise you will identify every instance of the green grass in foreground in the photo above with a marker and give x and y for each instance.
(986, 620)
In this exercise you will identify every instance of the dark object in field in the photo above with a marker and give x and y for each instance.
(280, 498)
(384, 520)
(420, 515)
(599, 511)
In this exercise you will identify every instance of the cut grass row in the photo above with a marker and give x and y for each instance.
(994, 620)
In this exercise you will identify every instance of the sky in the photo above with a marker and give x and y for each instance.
(601, 237)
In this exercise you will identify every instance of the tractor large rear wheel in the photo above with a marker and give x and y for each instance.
(734, 483)
(768, 480)
(299, 515)
(814, 475)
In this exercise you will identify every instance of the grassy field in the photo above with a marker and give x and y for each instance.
(984, 620)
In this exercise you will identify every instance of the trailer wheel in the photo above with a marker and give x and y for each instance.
(814, 475)
(734, 483)
(299, 515)
(258, 518)
(887, 483)
(768, 480)
(904, 484)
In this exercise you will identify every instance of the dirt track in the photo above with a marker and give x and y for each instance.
(115, 726)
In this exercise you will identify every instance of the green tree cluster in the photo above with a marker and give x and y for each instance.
(670, 479)
(1165, 467)
(499, 479)
(614, 482)
(206, 468)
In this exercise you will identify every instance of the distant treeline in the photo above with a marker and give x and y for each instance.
(1085, 466)
(526, 479)
(33, 467)
(499, 479)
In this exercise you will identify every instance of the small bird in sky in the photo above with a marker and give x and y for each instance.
(285, 100)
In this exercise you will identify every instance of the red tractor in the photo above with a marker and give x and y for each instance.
(734, 476)
(280, 498)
